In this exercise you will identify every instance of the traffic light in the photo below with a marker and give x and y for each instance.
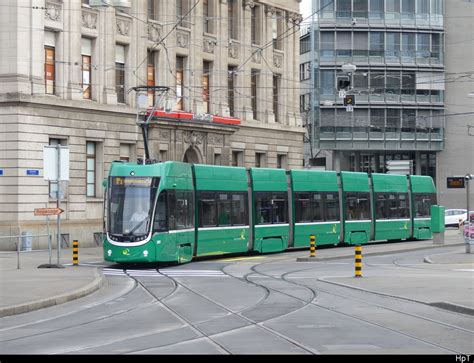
(343, 83)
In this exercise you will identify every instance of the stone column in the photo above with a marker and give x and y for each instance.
(106, 42)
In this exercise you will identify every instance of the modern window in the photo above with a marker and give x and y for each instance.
(328, 87)
(376, 44)
(327, 45)
(344, 44)
(120, 73)
(180, 83)
(91, 168)
(343, 9)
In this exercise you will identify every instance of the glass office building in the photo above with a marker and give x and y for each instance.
(398, 84)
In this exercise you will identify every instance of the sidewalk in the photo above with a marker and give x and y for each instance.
(29, 288)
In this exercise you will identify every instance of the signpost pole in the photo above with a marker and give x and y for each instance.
(58, 203)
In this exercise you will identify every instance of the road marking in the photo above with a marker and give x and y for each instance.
(466, 270)
(241, 259)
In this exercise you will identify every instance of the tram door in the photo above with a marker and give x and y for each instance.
(181, 223)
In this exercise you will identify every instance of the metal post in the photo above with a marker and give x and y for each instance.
(75, 252)
(358, 261)
(50, 247)
(58, 204)
(18, 253)
(312, 246)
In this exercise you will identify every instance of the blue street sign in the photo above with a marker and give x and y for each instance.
(32, 172)
(1, 172)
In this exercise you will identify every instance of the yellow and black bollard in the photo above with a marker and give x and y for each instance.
(75, 253)
(358, 261)
(312, 246)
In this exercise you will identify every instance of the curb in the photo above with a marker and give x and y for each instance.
(380, 253)
(56, 300)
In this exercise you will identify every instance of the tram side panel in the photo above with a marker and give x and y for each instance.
(270, 209)
(423, 196)
(391, 207)
(356, 207)
(222, 210)
(316, 207)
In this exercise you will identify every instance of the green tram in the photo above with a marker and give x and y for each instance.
(174, 211)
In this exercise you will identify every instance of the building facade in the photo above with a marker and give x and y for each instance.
(457, 158)
(66, 70)
(398, 84)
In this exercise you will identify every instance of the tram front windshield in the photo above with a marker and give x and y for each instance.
(130, 208)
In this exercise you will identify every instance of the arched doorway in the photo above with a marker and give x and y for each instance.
(191, 156)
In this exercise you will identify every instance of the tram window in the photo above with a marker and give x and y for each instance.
(357, 206)
(423, 203)
(317, 202)
(263, 208)
(239, 209)
(392, 206)
(381, 206)
(208, 209)
(223, 209)
(183, 208)
(280, 208)
(160, 223)
(332, 206)
(403, 210)
(303, 207)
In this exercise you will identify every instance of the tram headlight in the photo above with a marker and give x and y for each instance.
(145, 253)
(109, 252)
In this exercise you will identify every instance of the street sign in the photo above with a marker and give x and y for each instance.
(349, 100)
(455, 182)
(32, 172)
(48, 211)
(55, 162)
(349, 108)
(342, 93)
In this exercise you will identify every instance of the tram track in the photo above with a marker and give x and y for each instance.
(345, 297)
(230, 311)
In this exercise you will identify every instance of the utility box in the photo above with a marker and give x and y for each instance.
(437, 223)
(437, 218)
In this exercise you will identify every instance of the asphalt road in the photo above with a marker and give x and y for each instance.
(254, 305)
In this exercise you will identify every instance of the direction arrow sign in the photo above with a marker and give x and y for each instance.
(48, 211)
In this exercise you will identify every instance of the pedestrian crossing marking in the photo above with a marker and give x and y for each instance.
(163, 273)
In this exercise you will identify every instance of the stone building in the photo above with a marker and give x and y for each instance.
(66, 68)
